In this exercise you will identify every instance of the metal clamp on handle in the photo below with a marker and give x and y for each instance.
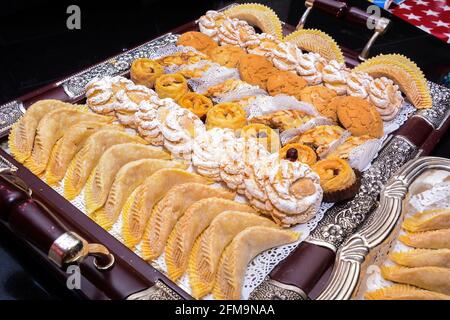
(70, 248)
(309, 5)
(381, 24)
(333, 7)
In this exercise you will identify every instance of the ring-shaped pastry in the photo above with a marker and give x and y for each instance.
(172, 85)
(145, 72)
(226, 115)
(298, 152)
(195, 102)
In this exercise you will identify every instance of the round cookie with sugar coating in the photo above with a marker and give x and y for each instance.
(285, 82)
(330, 110)
(197, 40)
(320, 97)
(256, 70)
(360, 117)
(227, 56)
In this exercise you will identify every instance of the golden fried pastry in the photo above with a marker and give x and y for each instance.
(319, 97)
(298, 152)
(256, 70)
(223, 87)
(360, 117)
(263, 135)
(226, 115)
(195, 102)
(404, 292)
(182, 58)
(337, 179)
(283, 119)
(422, 258)
(343, 150)
(171, 86)
(428, 220)
(197, 40)
(437, 239)
(227, 56)
(285, 82)
(145, 71)
(319, 138)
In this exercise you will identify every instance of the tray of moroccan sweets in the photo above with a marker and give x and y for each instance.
(215, 158)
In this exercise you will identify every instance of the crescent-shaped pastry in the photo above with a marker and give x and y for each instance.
(166, 213)
(422, 258)
(438, 239)
(21, 137)
(87, 158)
(257, 15)
(403, 72)
(205, 255)
(404, 292)
(430, 278)
(100, 181)
(70, 143)
(191, 224)
(171, 86)
(244, 247)
(428, 220)
(313, 40)
(139, 205)
(51, 128)
(145, 71)
(129, 177)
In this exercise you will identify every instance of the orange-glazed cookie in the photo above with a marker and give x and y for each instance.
(256, 70)
(298, 152)
(319, 97)
(285, 82)
(197, 40)
(145, 71)
(360, 117)
(195, 102)
(227, 56)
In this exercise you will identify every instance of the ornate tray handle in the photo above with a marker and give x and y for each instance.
(352, 254)
(9, 113)
(159, 291)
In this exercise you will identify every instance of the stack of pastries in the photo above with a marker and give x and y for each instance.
(188, 120)
(421, 272)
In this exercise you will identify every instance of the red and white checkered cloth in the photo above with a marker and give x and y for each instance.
(432, 16)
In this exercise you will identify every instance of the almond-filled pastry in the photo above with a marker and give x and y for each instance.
(437, 239)
(139, 205)
(227, 86)
(227, 56)
(210, 22)
(430, 278)
(128, 178)
(87, 158)
(100, 181)
(101, 94)
(245, 246)
(182, 58)
(319, 138)
(208, 151)
(197, 103)
(144, 71)
(191, 224)
(179, 127)
(71, 142)
(263, 135)
(344, 150)
(422, 258)
(166, 213)
(319, 97)
(360, 117)
(51, 128)
(298, 152)
(285, 82)
(205, 256)
(428, 220)
(226, 115)
(256, 70)
(283, 119)
(21, 136)
(171, 86)
(197, 40)
(293, 191)
(337, 179)
(128, 103)
(404, 292)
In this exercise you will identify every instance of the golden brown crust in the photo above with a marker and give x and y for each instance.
(227, 56)
(195, 102)
(197, 40)
(359, 117)
(283, 119)
(171, 86)
(320, 97)
(145, 71)
(263, 134)
(226, 115)
(181, 58)
(304, 154)
(285, 82)
(256, 70)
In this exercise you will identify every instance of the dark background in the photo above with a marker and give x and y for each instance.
(36, 48)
